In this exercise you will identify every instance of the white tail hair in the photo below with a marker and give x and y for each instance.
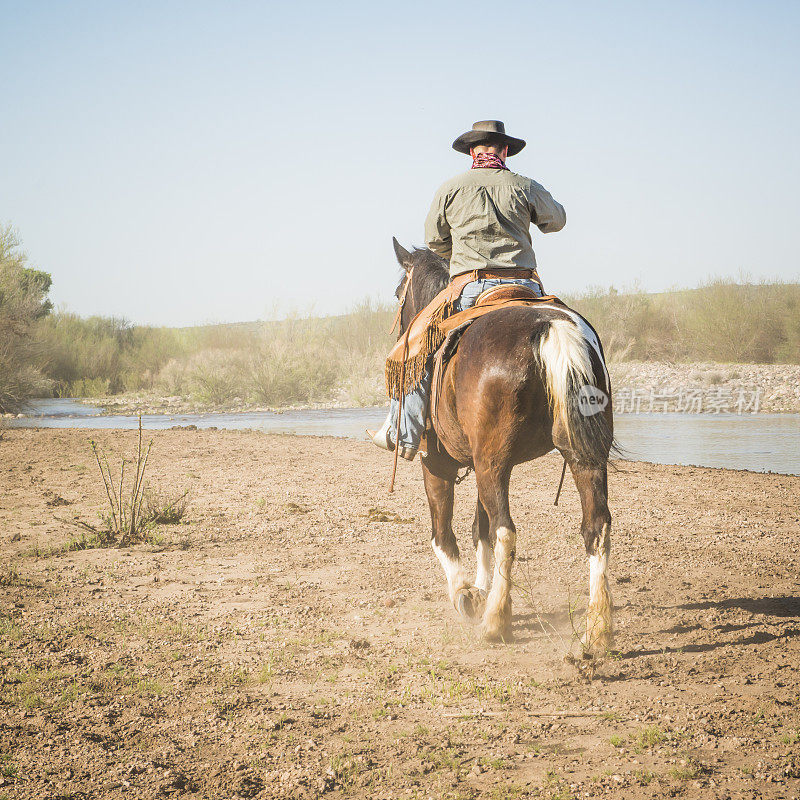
(564, 353)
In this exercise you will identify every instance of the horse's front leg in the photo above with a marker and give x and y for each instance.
(440, 491)
(592, 484)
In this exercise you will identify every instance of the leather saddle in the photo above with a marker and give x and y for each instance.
(505, 293)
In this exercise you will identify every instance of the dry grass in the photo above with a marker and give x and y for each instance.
(721, 321)
(340, 359)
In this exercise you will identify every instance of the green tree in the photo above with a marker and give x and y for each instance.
(23, 301)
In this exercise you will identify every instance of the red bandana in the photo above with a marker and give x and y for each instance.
(487, 161)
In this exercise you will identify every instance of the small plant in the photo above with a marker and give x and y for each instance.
(556, 786)
(148, 688)
(616, 741)
(508, 792)
(650, 737)
(131, 515)
(11, 576)
(345, 770)
(124, 522)
(690, 769)
(7, 768)
(267, 671)
(791, 738)
(163, 509)
(644, 776)
(379, 515)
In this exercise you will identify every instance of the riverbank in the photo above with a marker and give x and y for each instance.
(291, 637)
(736, 388)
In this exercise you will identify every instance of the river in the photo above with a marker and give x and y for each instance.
(759, 442)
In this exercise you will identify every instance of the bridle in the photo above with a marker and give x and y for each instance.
(398, 317)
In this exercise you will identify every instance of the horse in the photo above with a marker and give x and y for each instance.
(522, 381)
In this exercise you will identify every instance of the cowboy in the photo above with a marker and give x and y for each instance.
(479, 220)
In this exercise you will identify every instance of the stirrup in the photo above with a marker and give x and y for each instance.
(381, 436)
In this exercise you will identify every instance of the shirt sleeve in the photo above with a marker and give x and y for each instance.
(546, 213)
(437, 229)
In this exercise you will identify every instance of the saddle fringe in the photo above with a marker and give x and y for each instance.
(400, 381)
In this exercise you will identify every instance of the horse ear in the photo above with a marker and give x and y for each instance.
(403, 256)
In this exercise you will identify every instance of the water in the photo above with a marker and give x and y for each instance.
(759, 442)
(343, 422)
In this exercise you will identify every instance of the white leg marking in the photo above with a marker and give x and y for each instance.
(497, 619)
(599, 625)
(483, 574)
(452, 569)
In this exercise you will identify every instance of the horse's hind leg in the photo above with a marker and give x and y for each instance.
(440, 493)
(592, 486)
(493, 494)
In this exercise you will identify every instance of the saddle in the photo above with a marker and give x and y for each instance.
(406, 362)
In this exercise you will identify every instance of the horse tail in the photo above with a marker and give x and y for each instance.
(577, 387)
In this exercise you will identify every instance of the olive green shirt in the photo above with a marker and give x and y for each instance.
(481, 220)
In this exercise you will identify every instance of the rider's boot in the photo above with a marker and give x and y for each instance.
(382, 438)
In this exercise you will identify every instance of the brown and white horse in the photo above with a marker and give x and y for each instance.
(523, 381)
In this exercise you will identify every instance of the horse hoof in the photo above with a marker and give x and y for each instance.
(469, 604)
(495, 633)
(597, 646)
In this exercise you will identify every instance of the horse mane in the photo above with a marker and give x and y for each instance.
(431, 275)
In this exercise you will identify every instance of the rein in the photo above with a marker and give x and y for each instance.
(397, 324)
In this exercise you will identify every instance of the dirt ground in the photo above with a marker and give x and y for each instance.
(291, 636)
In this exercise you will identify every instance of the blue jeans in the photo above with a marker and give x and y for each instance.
(415, 403)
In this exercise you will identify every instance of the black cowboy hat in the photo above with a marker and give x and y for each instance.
(488, 130)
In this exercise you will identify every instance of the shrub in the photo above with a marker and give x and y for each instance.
(216, 376)
(104, 349)
(284, 370)
(23, 301)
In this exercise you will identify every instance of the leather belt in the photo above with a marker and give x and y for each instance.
(504, 274)
(501, 274)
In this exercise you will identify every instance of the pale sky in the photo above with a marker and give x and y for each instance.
(186, 162)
